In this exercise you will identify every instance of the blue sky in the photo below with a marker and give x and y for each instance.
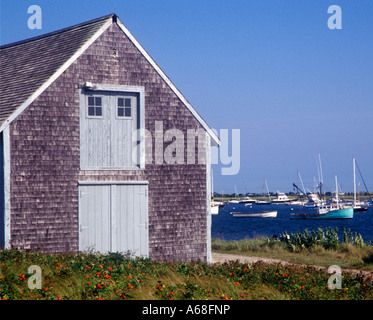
(271, 68)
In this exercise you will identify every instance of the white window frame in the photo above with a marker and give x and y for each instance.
(124, 109)
(102, 107)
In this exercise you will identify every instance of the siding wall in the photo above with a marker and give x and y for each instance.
(45, 159)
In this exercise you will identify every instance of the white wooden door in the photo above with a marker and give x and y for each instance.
(114, 218)
(108, 126)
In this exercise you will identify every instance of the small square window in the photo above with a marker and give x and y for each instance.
(95, 106)
(124, 107)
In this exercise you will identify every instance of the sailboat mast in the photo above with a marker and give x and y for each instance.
(321, 175)
(353, 162)
(336, 190)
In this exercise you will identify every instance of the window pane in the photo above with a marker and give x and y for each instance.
(128, 112)
(128, 102)
(120, 112)
(91, 111)
(98, 111)
(98, 101)
(91, 101)
(120, 102)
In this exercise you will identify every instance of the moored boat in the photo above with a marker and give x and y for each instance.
(247, 200)
(360, 208)
(263, 202)
(325, 213)
(330, 211)
(313, 201)
(358, 205)
(281, 198)
(257, 214)
(215, 206)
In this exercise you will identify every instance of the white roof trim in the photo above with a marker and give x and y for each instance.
(169, 83)
(47, 83)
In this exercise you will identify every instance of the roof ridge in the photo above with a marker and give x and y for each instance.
(76, 26)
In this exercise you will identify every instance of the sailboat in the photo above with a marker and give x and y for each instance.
(215, 205)
(234, 200)
(328, 211)
(263, 201)
(358, 206)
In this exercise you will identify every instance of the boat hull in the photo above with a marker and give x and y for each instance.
(260, 202)
(346, 213)
(360, 209)
(214, 209)
(261, 214)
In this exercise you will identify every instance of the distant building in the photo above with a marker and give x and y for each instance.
(72, 178)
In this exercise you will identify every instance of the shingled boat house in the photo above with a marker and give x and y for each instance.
(72, 176)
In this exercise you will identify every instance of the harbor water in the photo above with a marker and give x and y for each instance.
(226, 227)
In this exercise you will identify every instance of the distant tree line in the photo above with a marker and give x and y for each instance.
(291, 193)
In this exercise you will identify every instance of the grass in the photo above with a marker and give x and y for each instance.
(347, 256)
(321, 247)
(72, 276)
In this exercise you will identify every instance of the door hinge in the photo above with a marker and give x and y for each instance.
(81, 193)
(144, 225)
(81, 228)
(144, 193)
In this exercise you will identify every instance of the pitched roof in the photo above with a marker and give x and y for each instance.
(28, 67)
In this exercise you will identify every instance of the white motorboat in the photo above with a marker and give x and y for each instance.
(215, 206)
(313, 201)
(281, 198)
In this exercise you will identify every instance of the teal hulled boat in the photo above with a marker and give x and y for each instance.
(326, 213)
(331, 211)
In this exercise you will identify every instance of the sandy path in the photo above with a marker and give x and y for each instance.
(223, 257)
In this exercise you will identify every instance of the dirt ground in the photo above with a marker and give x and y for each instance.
(223, 257)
